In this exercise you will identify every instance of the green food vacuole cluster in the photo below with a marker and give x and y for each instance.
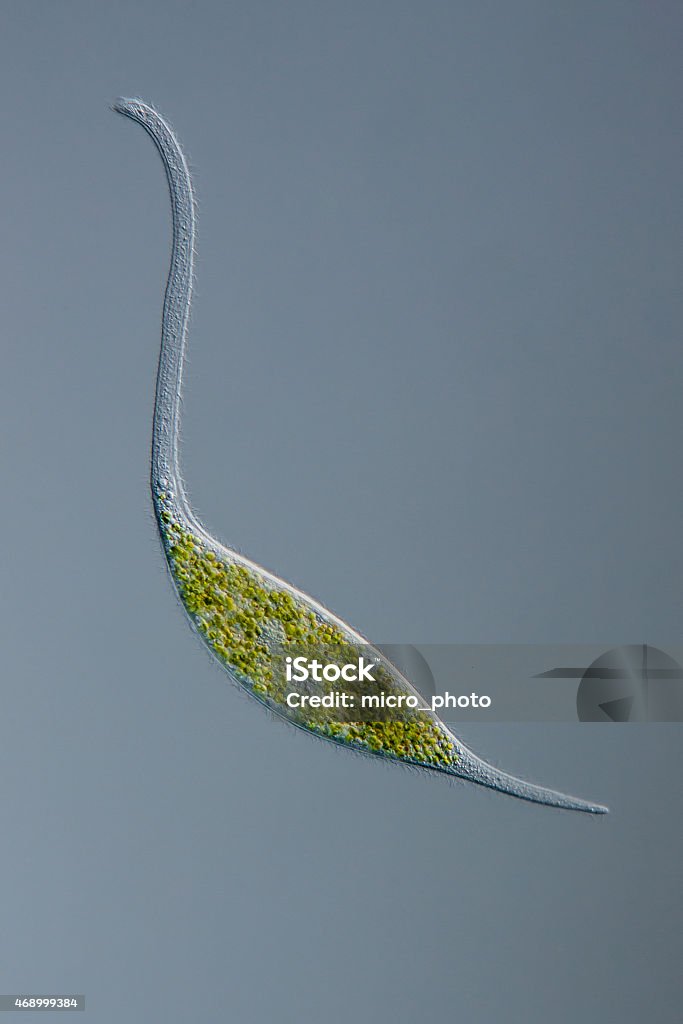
(245, 620)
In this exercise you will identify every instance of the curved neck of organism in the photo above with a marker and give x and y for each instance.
(249, 618)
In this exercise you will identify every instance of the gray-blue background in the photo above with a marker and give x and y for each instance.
(435, 380)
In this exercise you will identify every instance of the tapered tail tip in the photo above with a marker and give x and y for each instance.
(470, 766)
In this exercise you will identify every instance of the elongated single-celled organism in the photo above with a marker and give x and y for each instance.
(249, 617)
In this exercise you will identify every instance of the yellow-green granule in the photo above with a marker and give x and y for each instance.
(248, 623)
